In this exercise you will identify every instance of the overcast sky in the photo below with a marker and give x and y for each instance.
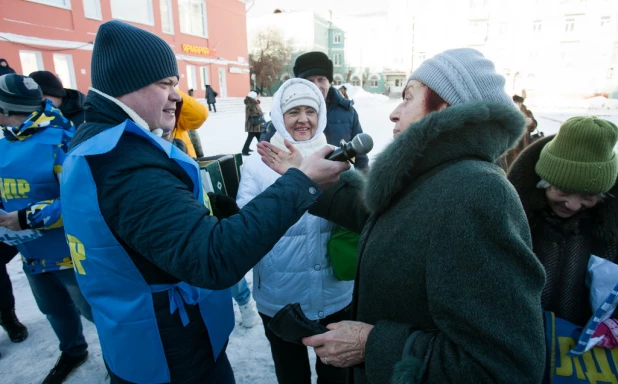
(339, 7)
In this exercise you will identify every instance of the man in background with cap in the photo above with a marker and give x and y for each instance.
(151, 259)
(69, 101)
(36, 140)
(341, 118)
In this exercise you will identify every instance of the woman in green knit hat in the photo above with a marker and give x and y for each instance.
(567, 185)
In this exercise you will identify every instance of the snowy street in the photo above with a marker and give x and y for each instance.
(248, 350)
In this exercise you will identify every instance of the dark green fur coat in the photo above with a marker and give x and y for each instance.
(445, 255)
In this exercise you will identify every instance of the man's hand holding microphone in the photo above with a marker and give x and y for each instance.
(323, 167)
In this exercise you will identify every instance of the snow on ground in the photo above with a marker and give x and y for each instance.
(249, 353)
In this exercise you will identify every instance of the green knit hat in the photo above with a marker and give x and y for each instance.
(126, 58)
(581, 158)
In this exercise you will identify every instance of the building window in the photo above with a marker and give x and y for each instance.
(338, 79)
(479, 4)
(569, 25)
(63, 64)
(337, 60)
(191, 77)
(56, 3)
(356, 81)
(31, 61)
(205, 71)
(137, 11)
(503, 29)
(337, 38)
(373, 82)
(537, 26)
(167, 19)
(397, 82)
(193, 17)
(421, 56)
(92, 9)
(478, 32)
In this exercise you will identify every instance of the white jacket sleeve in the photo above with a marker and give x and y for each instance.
(250, 181)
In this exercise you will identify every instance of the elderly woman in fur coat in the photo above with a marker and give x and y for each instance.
(447, 289)
(567, 185)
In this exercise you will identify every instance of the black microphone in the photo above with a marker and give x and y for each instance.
(360, 145)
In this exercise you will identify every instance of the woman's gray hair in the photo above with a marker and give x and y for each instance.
(544, 185)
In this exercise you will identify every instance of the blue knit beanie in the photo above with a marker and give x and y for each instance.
(126, 58)
(461, 76)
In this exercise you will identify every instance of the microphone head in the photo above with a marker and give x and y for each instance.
(362, 143)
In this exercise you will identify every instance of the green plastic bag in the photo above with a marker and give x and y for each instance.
(343, 252)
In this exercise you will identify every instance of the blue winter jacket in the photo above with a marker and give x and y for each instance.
(146, 201)
(342, 123)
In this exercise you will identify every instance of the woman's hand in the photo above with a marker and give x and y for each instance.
(343, 345)
(279, 160)
(323, 172)
(10, 221)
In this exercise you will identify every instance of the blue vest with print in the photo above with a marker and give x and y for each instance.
(596, 366)
(120, 298)
(27, 176)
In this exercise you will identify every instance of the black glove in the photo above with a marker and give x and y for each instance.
(223, 206)
(291, 324)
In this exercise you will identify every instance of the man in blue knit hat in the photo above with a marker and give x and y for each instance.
(36, 140)
(151, 259)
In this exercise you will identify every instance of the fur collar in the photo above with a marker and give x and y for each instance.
(481, 130)
(600, 221)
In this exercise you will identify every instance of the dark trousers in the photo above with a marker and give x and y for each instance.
(213, 107)
(59, 298)
(250, 137)
(221, 374)
(292, 360)
(7, 300)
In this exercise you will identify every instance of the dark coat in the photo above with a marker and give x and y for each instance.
(253, 116)
(5, 70)
(146, 200)
(446, 270)
(211, 95)
(342, 123)
(72, 106)
(564, 246)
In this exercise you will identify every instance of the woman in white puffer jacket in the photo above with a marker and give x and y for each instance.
(297, 270)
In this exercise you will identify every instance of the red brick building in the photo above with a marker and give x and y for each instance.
(209, 38)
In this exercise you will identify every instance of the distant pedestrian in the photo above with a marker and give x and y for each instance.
(253, 120)
(211, 98)
(5, 69)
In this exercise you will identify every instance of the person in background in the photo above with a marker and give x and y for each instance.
(153, 260)
(448, 288)
(298, 268)
(254, 118)
(341, 118)
(567, 185)
(191, 116)
(211, 98)
(69, 101)
(5, 69)
(36, 133)
(344, 92)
